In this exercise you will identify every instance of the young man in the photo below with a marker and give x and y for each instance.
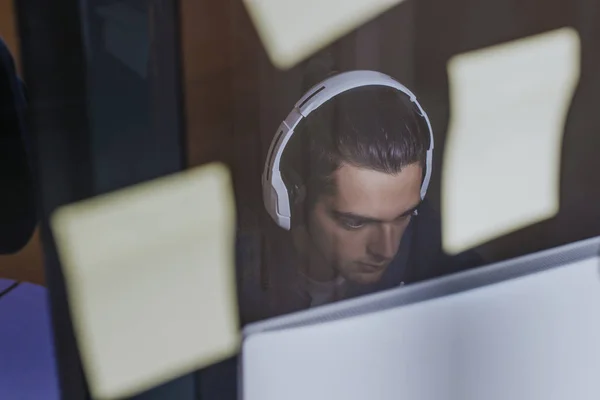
(17, 200)
(354, 169)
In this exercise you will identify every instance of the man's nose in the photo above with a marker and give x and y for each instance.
(383, 244)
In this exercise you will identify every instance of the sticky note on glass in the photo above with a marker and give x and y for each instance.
(292, 30)
(151, 280)
(502, 159)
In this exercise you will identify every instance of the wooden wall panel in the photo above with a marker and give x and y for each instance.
(206, 37)
(8, 28)
(26, 265)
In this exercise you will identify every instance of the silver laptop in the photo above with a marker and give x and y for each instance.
(525, 329)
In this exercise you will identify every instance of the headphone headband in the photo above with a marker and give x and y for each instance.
(275, 194)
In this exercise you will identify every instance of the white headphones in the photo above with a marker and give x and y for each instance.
(275, 194)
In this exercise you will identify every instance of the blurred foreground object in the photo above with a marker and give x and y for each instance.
(293, 30)
(502, 158)
(17, 200)
(150, 279)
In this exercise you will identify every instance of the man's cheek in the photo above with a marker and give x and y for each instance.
(332, 232)
(326, 239)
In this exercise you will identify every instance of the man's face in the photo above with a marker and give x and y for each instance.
(357, 230)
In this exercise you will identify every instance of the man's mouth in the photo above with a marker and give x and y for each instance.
(368, 267)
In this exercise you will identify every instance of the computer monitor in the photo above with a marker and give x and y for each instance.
(527, 328)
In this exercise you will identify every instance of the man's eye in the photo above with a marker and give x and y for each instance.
(352, 223)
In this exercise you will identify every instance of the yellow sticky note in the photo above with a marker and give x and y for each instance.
(151, 280)
(292, 30)
(502, 159)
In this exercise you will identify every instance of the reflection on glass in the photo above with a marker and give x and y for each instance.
(355, 172)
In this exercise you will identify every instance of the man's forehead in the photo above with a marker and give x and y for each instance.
(375, 194)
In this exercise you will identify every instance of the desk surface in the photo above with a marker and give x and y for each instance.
(5, 284)
(27, 366)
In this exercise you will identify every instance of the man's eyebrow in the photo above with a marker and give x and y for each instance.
(349, 215)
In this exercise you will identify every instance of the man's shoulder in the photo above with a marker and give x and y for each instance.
(17, 202)
(7, 63)
(5, 55)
